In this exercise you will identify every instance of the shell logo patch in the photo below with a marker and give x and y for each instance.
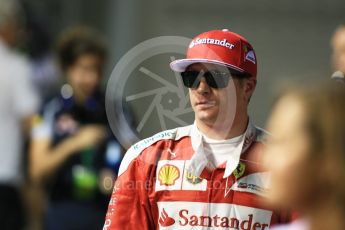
(168, 174)
(239, 171)
(173, 175)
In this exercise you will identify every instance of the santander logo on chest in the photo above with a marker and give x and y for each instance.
(197, 215)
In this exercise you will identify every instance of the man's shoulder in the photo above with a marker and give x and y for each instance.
(171, 134)
(139, 148)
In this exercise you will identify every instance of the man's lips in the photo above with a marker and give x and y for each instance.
(205, 104)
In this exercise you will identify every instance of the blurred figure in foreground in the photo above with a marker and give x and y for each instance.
(338, 53)
(72, 149)
(306, 154)
(18, 103)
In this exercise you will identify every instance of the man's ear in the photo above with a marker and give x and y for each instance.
(249, 85)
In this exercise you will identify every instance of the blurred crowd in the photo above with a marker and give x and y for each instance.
(59, 158)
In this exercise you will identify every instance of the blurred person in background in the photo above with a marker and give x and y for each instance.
(39, 47)
(338, 53)
(46, 79)
(72, 150)
(306, 155)
(18, 103)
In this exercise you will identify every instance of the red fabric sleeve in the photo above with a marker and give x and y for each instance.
(129, 206)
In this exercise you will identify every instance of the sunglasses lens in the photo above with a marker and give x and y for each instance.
(214, 79)
(189, 78)
(220, 79)
(217, 79)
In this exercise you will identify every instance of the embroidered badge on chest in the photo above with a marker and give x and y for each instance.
(173, 175)
(193, 179)
(168, 174)
(239, 171)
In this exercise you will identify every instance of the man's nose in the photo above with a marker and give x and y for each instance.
(203, 87)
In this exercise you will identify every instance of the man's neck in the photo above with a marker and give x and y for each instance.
(223, 131)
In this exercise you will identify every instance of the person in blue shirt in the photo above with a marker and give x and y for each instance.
(73, 152)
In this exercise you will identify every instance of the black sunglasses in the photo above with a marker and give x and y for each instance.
(214, 78)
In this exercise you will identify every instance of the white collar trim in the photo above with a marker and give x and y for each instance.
(199, 161)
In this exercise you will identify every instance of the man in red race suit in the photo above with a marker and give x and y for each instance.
(207, 175)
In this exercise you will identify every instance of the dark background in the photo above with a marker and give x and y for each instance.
(291, 38)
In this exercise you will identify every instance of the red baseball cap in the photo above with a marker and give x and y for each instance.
(221, 47)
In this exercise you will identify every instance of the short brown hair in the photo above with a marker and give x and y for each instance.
(79, 41)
